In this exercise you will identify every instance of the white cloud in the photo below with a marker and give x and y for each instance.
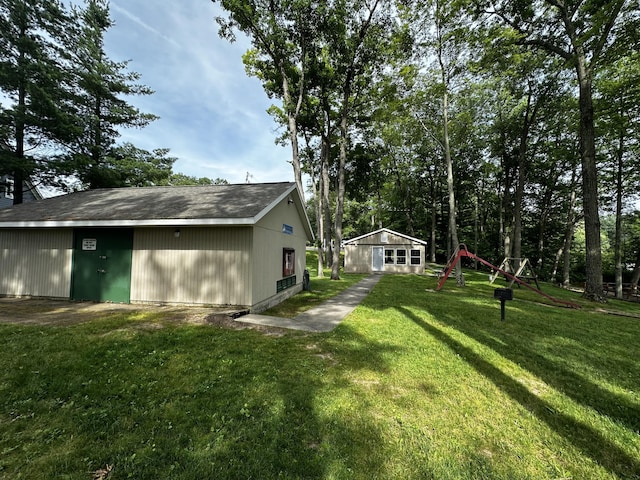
(115, 7)
(213, 117)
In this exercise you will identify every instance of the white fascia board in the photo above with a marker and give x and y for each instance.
(413, 239)
(299, 206)
(165, 222)
(273, 204)
(351, 240)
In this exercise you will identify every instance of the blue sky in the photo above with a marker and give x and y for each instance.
(212, 115)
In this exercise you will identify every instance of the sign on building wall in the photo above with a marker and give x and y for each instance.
(89, 243)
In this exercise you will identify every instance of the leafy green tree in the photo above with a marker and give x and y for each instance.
(280, 33)
(128, 166)
(582, 33)
(343, 42)
(182, 179)
(618, 105)
(441, 37)
(99, 102)
(358, 38)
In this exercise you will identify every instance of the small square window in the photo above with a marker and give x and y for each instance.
(416, 257)
(389, 257)
(401, 257)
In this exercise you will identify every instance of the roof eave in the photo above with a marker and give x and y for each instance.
(301, 210)
(165, 222)
(413, 239)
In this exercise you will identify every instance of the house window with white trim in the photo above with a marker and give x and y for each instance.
(396, 256)
(416, 257)
(389, 256)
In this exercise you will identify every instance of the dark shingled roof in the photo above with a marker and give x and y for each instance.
(209, 204)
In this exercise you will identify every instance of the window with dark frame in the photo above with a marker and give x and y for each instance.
(389, 256)
(288, 262)
(398, 256)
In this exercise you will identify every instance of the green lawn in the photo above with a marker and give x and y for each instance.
(415, 384)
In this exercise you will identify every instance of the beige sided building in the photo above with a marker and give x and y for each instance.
(384, 251)
(224, 245)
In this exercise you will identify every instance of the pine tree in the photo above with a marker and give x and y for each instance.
(32, 79)
(99, 104)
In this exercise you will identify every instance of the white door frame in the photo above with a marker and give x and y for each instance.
(377, 253)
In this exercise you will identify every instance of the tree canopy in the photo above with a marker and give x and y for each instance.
(497, 124)
(64, 102)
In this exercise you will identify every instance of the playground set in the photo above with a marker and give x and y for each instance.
(519, 276)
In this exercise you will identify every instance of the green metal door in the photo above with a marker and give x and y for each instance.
(102, 265)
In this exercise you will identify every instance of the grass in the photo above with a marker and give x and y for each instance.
(414, 384)
(321, 290)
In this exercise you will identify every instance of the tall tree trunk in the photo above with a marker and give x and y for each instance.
(317, 189)
(292, 123)
(453, 229)
(505, 228)
(593, 287)
(556, 262)
(518, 198)
(569, 231)
(618, 233)
(19, 171)
(434, 223)
(530, 114)
(635, 275)
(342, 162)
(542, 232)
(345, 111)
(475, 230)
(326, 214)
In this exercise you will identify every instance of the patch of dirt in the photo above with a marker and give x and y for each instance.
(40, 311)
(227, 321)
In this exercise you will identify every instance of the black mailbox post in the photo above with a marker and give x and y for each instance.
(306, 283)
(503, 294)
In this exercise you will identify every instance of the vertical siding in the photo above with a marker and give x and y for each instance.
(269, 240)
(358, 256)
(36, 262)
(357, 259)
(203, 265)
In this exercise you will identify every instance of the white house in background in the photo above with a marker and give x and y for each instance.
(29, 191)
(384, 251)
(233, 245)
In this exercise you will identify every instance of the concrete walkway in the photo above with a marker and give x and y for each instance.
(326, 316)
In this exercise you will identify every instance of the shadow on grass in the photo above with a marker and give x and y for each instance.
(578, 387)
(513, 341)
(282, 431)
(588, 440)
(186, 402)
